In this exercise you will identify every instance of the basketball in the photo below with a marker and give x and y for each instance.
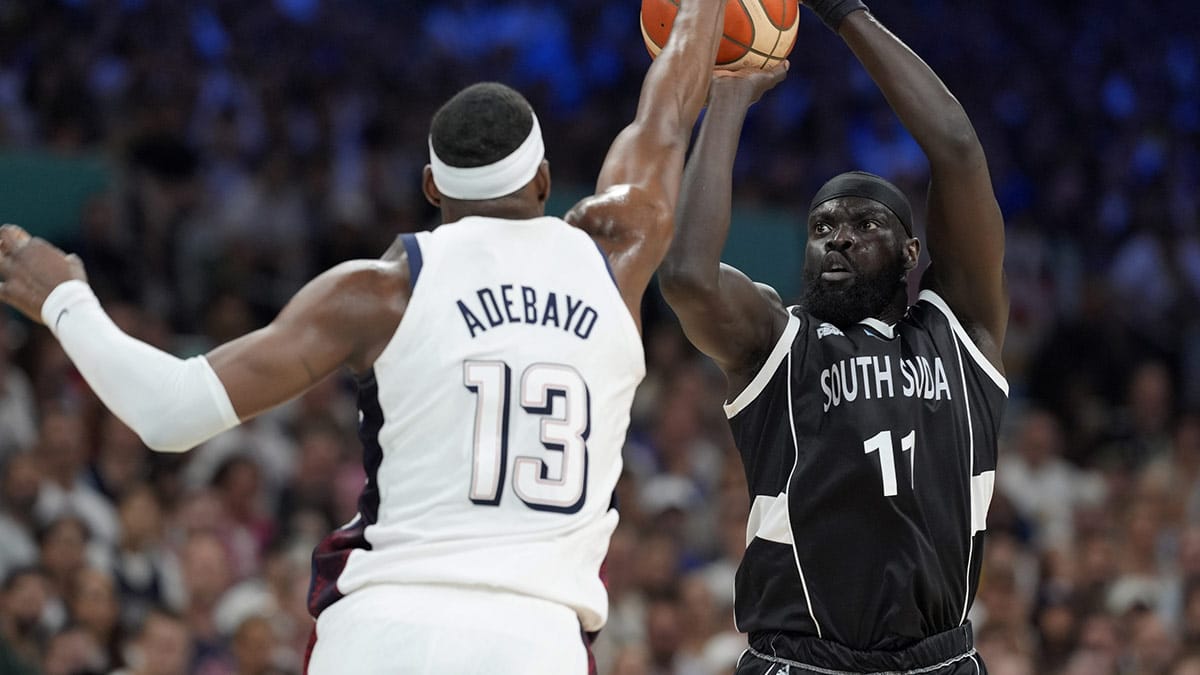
(758, 33)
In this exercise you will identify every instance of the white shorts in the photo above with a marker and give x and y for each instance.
(428, 630)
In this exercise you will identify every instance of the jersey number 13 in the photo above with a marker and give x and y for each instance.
(559, 486)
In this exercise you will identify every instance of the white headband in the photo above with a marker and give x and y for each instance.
(502, 177)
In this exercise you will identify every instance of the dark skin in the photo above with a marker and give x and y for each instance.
(737, 322)
(849, 236)
(346, 316)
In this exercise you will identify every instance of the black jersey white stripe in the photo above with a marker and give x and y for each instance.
(870, 455)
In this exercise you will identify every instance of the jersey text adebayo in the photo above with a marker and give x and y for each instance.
(521, 304)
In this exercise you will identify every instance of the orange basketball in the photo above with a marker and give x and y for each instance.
(758, 33)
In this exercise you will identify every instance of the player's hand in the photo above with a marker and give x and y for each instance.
(747, 84)
(31, 267)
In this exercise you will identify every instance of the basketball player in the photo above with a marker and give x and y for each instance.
(496, 358)
(867, 426)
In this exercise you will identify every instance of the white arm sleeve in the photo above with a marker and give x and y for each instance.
(171, 403)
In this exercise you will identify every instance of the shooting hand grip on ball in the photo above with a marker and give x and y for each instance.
(757, 33)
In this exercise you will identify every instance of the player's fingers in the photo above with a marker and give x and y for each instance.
(12, 238)
(12, 294)
(77, 267)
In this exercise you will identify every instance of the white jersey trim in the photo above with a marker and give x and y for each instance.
(782, 348)
(887, 330)
(982, 487)
(769, 520)
(972, 348)
(962, 372)
(787, 512)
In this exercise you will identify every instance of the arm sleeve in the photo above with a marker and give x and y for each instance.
(173, 404)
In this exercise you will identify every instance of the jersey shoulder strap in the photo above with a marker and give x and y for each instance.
(928, 301)
(774, 359)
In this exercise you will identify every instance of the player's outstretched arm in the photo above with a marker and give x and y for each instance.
(632, 214)
(342, 318)
(174, 404)
(965, 226)
(725, 314)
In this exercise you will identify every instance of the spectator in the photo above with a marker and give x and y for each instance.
(92, 607)
(23, 600)
(121, 463)
(255, 648)
(19, 480)
(163, 646)
(1045, 489)
(146, 571)
(17, 418)
(206, 576)
(62, 554)
(64, 490)
(73, 651)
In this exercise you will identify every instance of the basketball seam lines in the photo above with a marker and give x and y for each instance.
(753, 34)
(748, 47)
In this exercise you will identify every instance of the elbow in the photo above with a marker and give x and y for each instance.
(160, 439)
(162, 432)
(680, 281)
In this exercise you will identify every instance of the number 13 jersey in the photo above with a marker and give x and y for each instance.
(870, 454)
(493, 421)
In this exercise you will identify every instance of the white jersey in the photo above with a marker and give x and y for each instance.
(493, 421)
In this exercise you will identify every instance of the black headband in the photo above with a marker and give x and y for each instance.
(868, 186)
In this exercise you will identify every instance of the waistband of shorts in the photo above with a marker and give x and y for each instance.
(824, 656)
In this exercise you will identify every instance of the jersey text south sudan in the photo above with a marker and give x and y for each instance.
(489, 307)
(870, 455)
(851, 379)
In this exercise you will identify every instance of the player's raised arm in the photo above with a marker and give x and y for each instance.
(173, 404)
(965, 226)
(631, 215)
(725, 314)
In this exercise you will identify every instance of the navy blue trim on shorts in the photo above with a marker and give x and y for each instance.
(415, 261)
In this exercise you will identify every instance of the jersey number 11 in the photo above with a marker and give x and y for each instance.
(882, 443)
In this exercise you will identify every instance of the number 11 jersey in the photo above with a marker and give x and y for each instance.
(493, 421)
(870, 454)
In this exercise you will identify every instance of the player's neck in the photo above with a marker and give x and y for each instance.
(508, 209)
(894, 310)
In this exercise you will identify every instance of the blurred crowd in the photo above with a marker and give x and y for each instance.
(250, 145)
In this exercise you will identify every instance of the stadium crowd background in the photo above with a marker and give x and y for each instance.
(242, 147)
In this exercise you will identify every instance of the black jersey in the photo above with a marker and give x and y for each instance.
(870, 455)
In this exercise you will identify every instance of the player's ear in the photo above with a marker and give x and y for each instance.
(432, 194)
(541, 181)
(912, 253)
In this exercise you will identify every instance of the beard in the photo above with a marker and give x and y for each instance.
(865, 296)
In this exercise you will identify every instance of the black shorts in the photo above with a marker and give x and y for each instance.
(949, 653)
